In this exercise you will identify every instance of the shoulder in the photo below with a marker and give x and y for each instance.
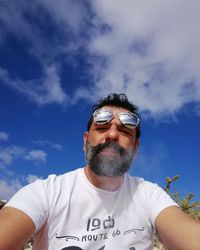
(139, 185)
(42, 196)
(43, 189)
(150, 196)
(148, 190)
(56, 180)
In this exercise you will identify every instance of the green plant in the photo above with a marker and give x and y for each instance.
(186, 204)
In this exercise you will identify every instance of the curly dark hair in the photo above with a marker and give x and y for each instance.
(118, 100)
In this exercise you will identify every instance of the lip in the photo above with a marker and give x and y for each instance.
(109, 151)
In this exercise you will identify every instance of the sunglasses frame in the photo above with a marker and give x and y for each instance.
(116, 113)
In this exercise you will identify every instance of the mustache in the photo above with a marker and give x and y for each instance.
(108, 165)
(109, 144)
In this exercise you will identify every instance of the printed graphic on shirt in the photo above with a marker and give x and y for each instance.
(98, 230)
(78, 248)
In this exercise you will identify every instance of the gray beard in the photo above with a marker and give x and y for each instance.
(108, 165)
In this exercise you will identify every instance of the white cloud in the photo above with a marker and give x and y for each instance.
(9, 188)
(47, 88)
(4, 136)
(15, 21)
(57, 146)
(36, 155)
(53, 145)
(9, 154)
(49, 91)
(149, 50)
(70, 12)
(12, 153)
(31, 178)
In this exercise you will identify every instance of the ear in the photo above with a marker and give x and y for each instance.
(85, 137)
(136, 147)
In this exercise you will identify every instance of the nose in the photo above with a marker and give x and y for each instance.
(112, 133)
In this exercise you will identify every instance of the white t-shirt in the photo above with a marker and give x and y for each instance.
(71, 214)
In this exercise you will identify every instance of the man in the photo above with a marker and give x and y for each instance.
(100, 206)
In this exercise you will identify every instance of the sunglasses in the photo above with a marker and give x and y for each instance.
(128, 119)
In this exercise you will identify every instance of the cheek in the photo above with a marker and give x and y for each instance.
(126, 142)
(93, 139)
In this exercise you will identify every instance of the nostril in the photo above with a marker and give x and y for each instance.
(111, 137)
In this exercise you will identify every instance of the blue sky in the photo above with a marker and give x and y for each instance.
(58, 57)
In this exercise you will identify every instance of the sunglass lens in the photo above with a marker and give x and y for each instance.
(130, 121)
(102, 116)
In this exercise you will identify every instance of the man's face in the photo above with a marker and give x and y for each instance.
(110, 147)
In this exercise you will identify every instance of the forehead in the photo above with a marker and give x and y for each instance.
(115, 108)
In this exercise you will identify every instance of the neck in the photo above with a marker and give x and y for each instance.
(103, 182)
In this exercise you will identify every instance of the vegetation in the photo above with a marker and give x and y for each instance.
(186, 204)
(2, 203)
